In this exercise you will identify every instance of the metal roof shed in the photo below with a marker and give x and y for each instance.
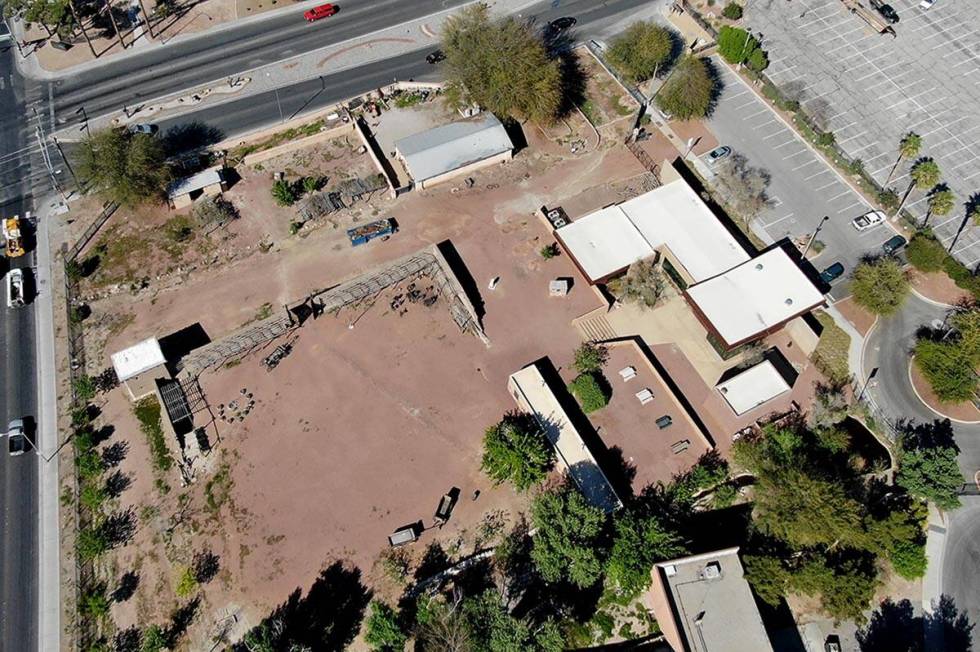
(441, 153)
(753, 387)
(138, 367)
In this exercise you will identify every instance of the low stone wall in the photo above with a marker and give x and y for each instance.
(299, 143)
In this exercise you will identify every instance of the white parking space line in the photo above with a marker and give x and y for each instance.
(767, 122)
(814, 176)
(826, 185)
(778, 220)
(810, 162)
(757, 113)
(788, 142)
(774, 134)
(838, 196)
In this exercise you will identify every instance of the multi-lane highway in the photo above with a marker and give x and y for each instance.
(18, 397)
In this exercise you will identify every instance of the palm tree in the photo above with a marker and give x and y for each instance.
(78, 20)
(972, 214)
(940, 203)
(925, 175)
(908, 147)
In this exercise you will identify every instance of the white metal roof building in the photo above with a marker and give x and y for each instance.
(608, 241)
(200, 181)
(530, 390)
(753, 387)
(137, 359)
(754, 298)
(437, 152)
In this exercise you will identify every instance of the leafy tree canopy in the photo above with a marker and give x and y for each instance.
(126, 168)
(590, 357)
(569, 534)
(383, 631)
(880, 286)
(735, 44)
(640, 50)
(639, 542)
(927, 465)
(501, 65)
(517, 451)
(690, 90)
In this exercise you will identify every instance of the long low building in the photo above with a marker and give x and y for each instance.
(533, 395)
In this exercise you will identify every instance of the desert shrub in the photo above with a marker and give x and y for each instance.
(732, 11)
(591, 393)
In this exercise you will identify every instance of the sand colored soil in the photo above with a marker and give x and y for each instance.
(860, 319)
(939, 287)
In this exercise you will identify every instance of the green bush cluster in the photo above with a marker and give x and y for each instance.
(736, 45)
(147, 413)
(591, 390)
(927, 254)
(732, 11)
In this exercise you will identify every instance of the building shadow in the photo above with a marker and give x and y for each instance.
(178, 344)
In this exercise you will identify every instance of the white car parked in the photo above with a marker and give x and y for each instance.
(925, 4)
(868, 220)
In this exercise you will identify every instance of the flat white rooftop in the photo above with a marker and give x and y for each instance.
(138, 358)
(755, 296)
(753, 387)
(712, 603)
(673, 216)
(533, 395)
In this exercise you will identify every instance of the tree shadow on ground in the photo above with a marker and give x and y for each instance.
(115, 453)
(620, 471)
(189, 137)
(117, 483)
(434, 560)
(206, 565)
(180, 620)
(934, 434)
(327, 618)
(128, 583)
(895, 627)
(128, 640)
(119, 527)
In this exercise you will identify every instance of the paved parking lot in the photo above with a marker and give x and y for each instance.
(803, 187)
(872, 89)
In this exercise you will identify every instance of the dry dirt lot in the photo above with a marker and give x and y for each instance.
(358, 431)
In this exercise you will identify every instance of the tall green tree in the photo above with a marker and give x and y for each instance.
(643, 284)
(590, 358)
(929, 470)
(382, 630)
(735, 44)
(501, 65)
(641, 50)
(689, 91)
(880, 286)
(568, 543)
(517, 451)
(492, 629)
(130, 169)
(940, 203)
(639, 542)
(924, 175)
(908, 148)
(950, 363)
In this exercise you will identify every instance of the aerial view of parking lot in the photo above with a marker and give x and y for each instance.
(523, 325)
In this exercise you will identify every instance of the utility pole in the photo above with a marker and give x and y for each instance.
(814, 236)
(42, 143)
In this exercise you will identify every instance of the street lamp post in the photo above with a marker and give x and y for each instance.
(814, 236)
(874, 372)
(278, 103)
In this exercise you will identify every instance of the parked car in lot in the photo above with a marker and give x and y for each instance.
(832, 273)
(16, 293)
(926, 4)
(886, 10)
(894, 244)
(16, 440)
(321, 11)
(868, 220)
(717, 154)
(434, 57)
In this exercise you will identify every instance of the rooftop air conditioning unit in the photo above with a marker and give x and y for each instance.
(712, 571)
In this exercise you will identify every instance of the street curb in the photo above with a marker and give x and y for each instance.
(932, 583)
(932, 409)
(928, 300)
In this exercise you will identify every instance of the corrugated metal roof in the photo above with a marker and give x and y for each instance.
(434, 152)
(198, 181)
(138, 358)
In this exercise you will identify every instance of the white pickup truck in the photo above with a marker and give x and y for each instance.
(15, 288)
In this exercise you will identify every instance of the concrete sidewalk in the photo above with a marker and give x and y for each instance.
(49, 552)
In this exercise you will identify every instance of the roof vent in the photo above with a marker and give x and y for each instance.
(789, 302)
(758, 266)
(712, 571)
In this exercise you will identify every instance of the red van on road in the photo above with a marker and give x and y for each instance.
(323, 11)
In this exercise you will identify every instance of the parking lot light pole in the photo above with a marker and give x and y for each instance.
(278, 103)
(814, 236)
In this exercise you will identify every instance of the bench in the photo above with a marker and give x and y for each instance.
(627, 373)
(644, 396)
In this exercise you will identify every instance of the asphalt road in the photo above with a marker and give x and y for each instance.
(157, 71)
(18, 398)
(262, 109)
(888, 349)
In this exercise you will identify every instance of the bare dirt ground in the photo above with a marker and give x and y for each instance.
(345, 443)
